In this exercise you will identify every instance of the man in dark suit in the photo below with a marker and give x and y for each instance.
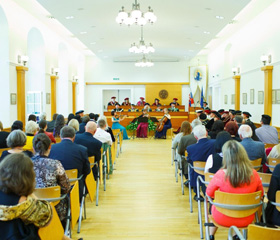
(199, 152)
(254, 149)
(71, 155)
(93, 145)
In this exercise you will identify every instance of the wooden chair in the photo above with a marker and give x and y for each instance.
(256, 233)
(233, 205)
(54, 230)
(50, 194)
(269, 145)
(265, 177)
(277, 200)
(272, 162)
(257, 164)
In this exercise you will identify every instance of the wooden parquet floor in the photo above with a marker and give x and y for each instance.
(143, 200)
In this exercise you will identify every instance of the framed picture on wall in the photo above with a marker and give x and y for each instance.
(225, 99)
(48, 98)
(244, 98)
(260, 97)
(232, 98)
(13, 98)
(277, 96)
(252, 96)
(273, 96)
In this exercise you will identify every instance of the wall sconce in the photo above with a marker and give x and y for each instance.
(55, 71)
(75, 78)
(235, 70)
(266, 59)
(23, 59)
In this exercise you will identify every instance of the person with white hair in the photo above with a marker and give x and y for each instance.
(43, 116)
(199, 152)
(30, 129)
(254, 149)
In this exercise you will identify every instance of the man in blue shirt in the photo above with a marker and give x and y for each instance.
(267, 133)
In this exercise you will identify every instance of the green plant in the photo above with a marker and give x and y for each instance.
(151, 125)
(132, 126)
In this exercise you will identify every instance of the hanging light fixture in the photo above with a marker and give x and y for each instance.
(136, 16)
(141, 47)
(144, 62)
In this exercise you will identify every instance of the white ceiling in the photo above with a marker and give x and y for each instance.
(180, 24)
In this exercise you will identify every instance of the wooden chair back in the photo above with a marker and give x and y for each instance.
(113, 150)
(72, 174)
(116, 131)
(265, 177)
(269, 145)
(208, 177)
(277, 199)
(91, 186)
(3, 149)
(257, 164)
(91, 160)
(259, 233)
(48, 193)
(238, 199)
(272, 162)
(74, 204)
(197, 165)
(57, 139)
(54, 230)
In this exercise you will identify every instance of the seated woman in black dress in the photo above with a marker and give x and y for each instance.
(16, 140)
(21, 212)
(166, 125)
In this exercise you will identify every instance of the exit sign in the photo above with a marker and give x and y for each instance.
(116, 78)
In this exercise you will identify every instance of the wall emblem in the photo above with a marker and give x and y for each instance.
(163, 94)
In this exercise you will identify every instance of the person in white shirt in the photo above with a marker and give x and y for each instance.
(101, 134)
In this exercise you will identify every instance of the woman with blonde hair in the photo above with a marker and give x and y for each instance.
(235, 176)
(74, 123)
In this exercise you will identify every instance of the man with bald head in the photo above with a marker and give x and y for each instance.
(92, 144)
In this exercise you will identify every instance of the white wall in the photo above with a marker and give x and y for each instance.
(243, 49)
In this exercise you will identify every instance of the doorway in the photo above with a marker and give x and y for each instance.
(120, 95)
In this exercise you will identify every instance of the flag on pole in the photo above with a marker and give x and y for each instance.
(191, 101)
(201, 98)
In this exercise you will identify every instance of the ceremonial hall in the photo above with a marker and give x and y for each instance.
(137, 119)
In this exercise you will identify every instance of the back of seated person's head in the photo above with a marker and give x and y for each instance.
(96, 116)
(70, 117)
(202, 116)
(239, 119)
(67, 132)
(266, 119)
(17, 125)
(74, 124)
(221, 139)
(231, 127)
(41, 143)
(185, 128)
(85, 119)
(31, 127)
(237, 164)
(101, 123)
(103, 118)
(196, 122)
(78, 117)
(91, 127)
(54, 116)
(200, 132)
(1, 126)
(43, 116)
(91, 115)
(217, 127)
(32, 117)
(42, 126)
(245, 131)
(16, 138)
(17, 175)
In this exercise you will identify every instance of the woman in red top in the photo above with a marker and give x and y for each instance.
(43, 127)
(236, 176)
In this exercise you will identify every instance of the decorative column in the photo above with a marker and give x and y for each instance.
(21, 93)
(53, 94)
(237, 91)
(74, 84)
(267, 89)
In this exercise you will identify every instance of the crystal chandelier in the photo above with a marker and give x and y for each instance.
(141, 47)
(135, 16)
(144, 62)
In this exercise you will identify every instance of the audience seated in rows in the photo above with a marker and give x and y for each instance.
(17, 125)
(85, 120)
(236, 176)
(50, 172)
(199, 152)
(232, 128)
(74, 124)
(43, 128)
(3, 136)
(21, 211)
(16, 140)
(32, 117)
(71, 155)
(31, 128)
(238, 120)
(58, 125)
(214, 161)
(101, 133)
(217, 127)
(253, 148)
(51, 123)
(272, 214)
(267, 133)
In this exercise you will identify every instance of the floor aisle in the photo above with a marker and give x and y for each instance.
(142, 200)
